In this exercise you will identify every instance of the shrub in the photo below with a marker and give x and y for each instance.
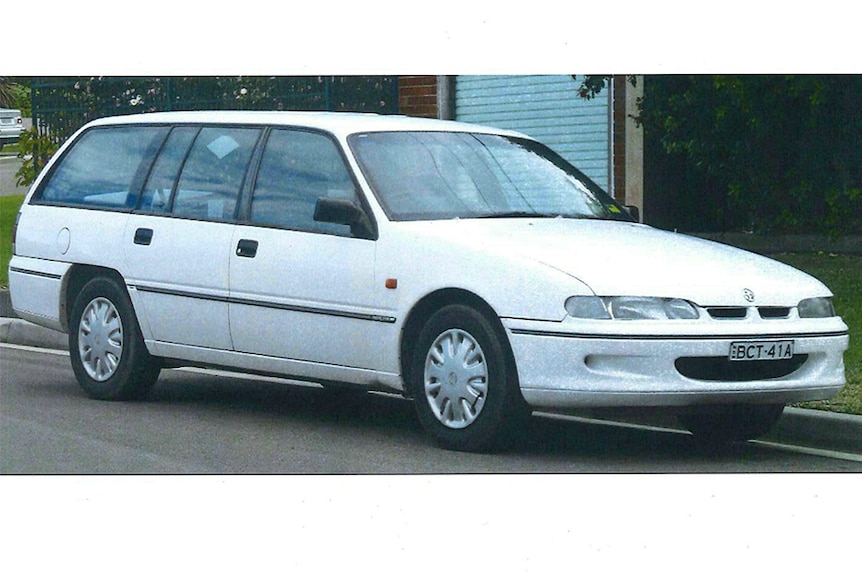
(35, 150)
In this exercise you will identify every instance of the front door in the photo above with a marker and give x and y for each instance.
(302, 289)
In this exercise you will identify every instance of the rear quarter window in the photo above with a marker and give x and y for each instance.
(104, 167)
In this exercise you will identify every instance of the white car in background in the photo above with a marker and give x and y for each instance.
(469, 268)
(11, 126)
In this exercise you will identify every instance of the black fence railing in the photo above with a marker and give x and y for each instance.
(61, 105)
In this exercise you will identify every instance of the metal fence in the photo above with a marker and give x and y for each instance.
(63, 104)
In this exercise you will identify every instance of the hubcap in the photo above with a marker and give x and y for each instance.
(100, 339)
(456, 379)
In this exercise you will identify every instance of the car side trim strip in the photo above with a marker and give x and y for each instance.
(270, 305)
(543, 333)
(36, 273)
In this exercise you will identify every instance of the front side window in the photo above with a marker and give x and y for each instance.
(438, 175)
(214, 172)
(104, 166)
(297, 169)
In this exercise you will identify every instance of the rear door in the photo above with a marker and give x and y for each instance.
(178, 242)
(302, 289)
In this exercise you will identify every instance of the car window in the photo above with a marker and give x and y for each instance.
(297, 169)
(439, 175)
(214, 173)
(104, 167)
(157, 191)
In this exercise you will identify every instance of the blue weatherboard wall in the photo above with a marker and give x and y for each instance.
(547, 108)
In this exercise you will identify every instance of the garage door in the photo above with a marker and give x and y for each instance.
(547, 108)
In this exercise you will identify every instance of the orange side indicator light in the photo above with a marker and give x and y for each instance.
(391, 283)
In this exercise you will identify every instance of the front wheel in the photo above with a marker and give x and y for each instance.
(465, 393)
(721, 424)
(107, 350)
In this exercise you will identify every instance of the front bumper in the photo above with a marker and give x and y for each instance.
(560, 366)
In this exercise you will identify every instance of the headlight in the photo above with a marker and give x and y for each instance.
(587, 307)
(816, 307)
(630, 307)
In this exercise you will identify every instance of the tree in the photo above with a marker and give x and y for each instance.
(782, 151)
(7, 98)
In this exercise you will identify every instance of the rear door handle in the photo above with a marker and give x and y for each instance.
(143, 236)
(246, 248)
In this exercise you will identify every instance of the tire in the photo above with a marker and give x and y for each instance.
(723, 424)
(465, 389)
(108, 354)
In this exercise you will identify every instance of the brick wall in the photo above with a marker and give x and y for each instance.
(417, 96)
(619, 143)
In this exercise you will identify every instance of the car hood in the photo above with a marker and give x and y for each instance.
(621, 258)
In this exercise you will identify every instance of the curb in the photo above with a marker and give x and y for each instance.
(801, 427)
(818, 429)
(810, 428)
(20, 332)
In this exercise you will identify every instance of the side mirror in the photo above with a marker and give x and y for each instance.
(634, 212)
(346, 213)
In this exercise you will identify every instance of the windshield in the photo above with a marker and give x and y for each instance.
(442, 175)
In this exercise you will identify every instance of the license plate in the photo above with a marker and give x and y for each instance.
(760, 350)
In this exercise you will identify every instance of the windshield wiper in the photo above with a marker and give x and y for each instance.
(516, 214)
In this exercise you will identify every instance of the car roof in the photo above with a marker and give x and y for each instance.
(339, 123)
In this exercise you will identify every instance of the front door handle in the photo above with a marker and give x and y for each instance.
(246, 248)
(143, 236)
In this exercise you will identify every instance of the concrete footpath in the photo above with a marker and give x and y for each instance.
(809, 428)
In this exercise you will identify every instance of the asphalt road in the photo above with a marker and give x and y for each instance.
(201, 423)
(8, 166)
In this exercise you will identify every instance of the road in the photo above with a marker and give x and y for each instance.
(8, 166)
(203, 423)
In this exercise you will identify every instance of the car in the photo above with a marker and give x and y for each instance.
(469, 268)
(11, 126)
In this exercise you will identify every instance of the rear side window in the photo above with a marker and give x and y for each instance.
(104, 167)
(214, 173)
(157, 191)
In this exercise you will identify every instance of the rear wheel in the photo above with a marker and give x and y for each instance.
(718, 424)
(107, 350)
(465, 394)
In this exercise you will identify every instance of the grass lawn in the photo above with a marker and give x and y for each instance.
(843, 275)
(8, 210)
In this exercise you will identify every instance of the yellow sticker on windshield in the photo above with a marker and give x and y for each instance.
(614, 209)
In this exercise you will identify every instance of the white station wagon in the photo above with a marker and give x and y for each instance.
(469, 268)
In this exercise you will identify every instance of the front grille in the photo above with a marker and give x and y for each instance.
(774, 312)
(722, 369)
(766, 312)
(727, 312)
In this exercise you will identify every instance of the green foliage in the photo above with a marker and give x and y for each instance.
(759, 153)
(35, 150)
(592, 85)
(21, 99)
(6, 98)
(14, 95)
(9, 206)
